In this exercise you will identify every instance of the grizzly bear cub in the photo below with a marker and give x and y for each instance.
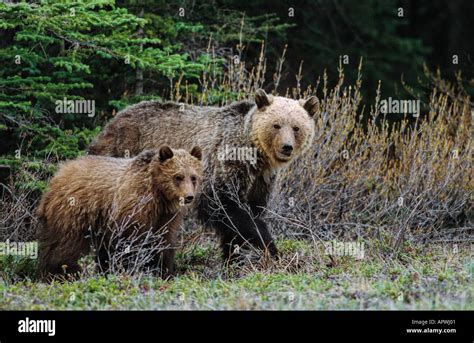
(94, 196)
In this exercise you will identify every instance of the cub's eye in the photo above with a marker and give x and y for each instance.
(276, 126)
(193, 178)
(179, 178)
(296, 129)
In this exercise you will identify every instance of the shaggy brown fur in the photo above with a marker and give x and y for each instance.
(278, 128)
(96, 195)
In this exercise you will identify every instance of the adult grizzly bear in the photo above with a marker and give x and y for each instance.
(96, 195)
(277, 129)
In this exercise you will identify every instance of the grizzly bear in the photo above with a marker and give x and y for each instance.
(244, 143)
(95, 195)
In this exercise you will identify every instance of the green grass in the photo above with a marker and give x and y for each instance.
(432, 277)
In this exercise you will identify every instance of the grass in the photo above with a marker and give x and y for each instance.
(433, 277)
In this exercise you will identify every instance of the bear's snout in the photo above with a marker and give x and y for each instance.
(287, 149)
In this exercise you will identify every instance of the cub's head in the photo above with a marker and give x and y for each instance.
(176, 174)
(282, 128)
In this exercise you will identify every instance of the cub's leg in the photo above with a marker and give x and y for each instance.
(168, 264)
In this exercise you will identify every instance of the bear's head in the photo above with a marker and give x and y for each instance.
(176, 175)
(282, 128)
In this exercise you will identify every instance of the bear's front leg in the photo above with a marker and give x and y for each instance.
(238, 227)
(168, 268)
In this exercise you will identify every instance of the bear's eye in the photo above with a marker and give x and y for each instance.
(276, 126)
(179, 178)
(193, 178)
(296, 129)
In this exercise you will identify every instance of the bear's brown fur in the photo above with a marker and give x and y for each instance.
(96, 195)
(277, 129)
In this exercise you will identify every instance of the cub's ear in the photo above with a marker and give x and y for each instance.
(196, 152)
(165, 153)
(262, 99)
(310, 105)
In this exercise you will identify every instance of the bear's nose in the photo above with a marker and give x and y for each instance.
(188, 199)
(286, 149)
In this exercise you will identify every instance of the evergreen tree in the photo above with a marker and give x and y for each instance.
(74, 50)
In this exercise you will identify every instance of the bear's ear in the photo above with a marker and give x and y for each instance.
(310, 105)
(196, 152)
(262, 99)
(165, 153)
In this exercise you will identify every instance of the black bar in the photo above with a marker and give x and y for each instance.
(321, 326)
